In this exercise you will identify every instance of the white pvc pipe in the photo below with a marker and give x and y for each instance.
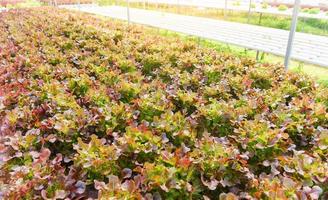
(249, 11)
(225, 8)
(292, 32)
(128, 11)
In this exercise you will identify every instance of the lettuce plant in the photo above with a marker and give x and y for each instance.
(92, 109)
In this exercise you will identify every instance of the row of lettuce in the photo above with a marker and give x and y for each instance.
(12, 4)
(93, 108)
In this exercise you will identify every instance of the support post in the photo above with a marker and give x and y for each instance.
(292, 32)
(262, 56)
(257, 55)
(128, 11)
(249, 11)
(260, 20)
(225, 8)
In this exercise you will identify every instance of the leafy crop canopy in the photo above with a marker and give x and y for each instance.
(91, 108)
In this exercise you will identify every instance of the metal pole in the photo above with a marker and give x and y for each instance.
(128, 11)
(249, 10)
(292, 32)
(225, 8)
